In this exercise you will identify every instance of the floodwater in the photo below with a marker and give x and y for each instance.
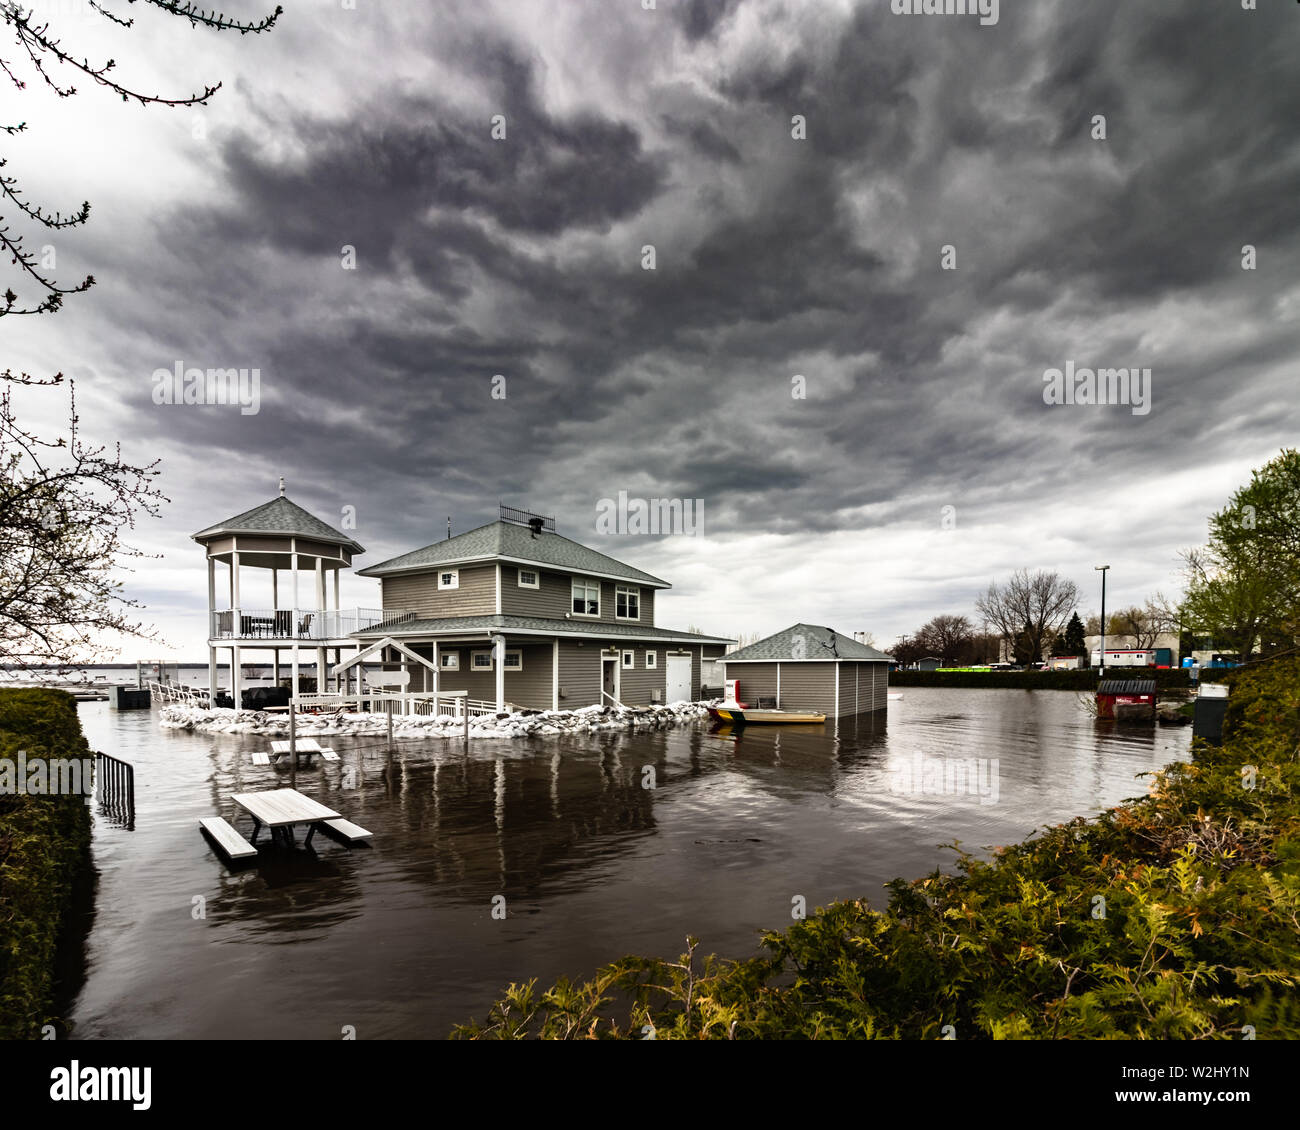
(398, 939)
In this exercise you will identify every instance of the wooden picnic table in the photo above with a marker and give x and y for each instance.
(282, 809)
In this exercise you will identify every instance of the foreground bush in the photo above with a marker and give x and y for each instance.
(44, 847)
(1175, 916)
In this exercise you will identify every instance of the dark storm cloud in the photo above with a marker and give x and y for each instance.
(547, 175)
(700, 18)
(775, 257)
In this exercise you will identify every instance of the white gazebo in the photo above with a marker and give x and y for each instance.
(304, 558)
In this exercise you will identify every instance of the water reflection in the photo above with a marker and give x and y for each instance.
(600, 845)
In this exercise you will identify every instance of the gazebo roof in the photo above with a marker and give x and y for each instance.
(279, 516)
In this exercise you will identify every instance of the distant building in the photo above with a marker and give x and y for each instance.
(811, 667)
(929, 663)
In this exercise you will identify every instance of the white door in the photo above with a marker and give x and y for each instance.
(679, 678)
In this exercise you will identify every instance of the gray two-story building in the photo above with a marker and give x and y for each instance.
(574, 626)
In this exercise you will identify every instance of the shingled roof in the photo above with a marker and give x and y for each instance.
(279, 516)
(818, 642)
(535, 625)
(506, 540)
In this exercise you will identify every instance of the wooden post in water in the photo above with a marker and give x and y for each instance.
(464, 705)
(293, 740)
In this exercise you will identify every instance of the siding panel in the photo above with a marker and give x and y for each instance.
(808, 686)
(419, 593)
(579, 674)
(756, 679)
(636, 683)
(554, 598)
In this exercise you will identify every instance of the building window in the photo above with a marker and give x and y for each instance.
(481, 660)
(528, 579)
(586, 597)
(629, 659)
(450, 660)
(651, 660)
(449, 579)
(627, 603)
(514, 660)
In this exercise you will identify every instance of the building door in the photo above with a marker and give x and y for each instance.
(609, 679)
(679, 678)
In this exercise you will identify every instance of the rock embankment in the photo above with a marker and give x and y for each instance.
(514, 725)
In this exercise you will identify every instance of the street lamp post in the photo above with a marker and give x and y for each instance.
(1102, 570)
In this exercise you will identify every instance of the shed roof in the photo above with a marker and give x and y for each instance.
(1126, 686)
(517, 543)
(817, 643)
(279, 516)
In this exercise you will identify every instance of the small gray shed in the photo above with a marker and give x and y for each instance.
(811, 667)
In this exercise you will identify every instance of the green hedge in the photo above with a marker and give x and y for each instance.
(1084, 680)
(1169, 917)
(44, 848)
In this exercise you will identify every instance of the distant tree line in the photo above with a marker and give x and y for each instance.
(1241, 596)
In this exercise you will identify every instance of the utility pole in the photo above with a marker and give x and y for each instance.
(1102, 570)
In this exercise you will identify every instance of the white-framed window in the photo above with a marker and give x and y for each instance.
(528, 579)
(514, 660)
(449, 660)
(651, 660)
(629, 659)
(627, 603)
(586, 597)
(449, 579)
(480, 660)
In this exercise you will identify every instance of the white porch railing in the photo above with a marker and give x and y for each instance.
(167, 692)
(451, 704)
(300, 624)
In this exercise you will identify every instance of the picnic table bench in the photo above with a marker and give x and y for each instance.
(231, 843)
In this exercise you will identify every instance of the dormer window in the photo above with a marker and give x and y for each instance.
(627, 603)
(586, 597)
(528, 579)
(449, 579)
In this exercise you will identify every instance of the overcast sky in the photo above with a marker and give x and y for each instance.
(217, 240)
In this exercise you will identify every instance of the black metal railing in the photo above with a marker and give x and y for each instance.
(115, 789)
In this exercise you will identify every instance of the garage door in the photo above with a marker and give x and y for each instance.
(679, 678)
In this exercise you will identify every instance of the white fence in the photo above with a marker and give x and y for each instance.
(169, 692)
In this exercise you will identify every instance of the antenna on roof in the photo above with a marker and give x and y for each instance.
(449, 526)
(281, 486)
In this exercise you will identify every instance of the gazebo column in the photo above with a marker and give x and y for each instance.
(293, 570)
(236, 681)
(321, 612)
(212, 597)
(237, 624)
(212, 675)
